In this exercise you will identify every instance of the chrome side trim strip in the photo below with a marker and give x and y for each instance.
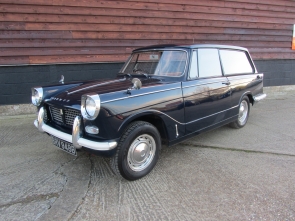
(242, 76)
(138, 95)
(176, 130)
(213, 124)
(227, 76)
(212, 114)
(160, 112)
(194, 85)
(259, 97)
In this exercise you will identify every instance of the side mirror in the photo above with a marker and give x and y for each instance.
(136, 83)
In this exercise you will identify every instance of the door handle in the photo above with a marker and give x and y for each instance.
(226, 83)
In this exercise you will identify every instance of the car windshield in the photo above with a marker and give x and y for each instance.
(158, 63)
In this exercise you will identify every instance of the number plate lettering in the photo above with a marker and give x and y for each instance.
(65, 146)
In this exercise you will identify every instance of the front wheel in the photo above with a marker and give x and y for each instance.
(137, 152)
(244, 110)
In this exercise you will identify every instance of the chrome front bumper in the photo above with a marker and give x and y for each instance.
(76, 137)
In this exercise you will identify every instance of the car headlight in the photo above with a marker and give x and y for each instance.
(90, 106)
(37, 96)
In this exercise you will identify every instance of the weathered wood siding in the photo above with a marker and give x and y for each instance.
(78, 31)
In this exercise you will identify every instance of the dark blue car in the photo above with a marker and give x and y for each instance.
(163, 95)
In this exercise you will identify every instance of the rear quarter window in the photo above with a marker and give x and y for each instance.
(235, 62)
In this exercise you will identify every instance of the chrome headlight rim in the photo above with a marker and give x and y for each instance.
(37, 95)
(94, 97)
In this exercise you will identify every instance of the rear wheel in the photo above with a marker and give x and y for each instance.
(244, 110)
(137, 152)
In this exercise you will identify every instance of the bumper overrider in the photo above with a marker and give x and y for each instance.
(76, 137)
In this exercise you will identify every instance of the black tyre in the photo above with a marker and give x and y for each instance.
(137, 151)
(244, 110)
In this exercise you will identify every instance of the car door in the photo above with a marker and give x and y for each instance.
(207, 95)
(240, 71)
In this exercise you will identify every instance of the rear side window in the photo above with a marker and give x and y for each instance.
(209, 64)
(235, 62)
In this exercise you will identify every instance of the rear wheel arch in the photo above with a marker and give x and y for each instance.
(251, 99)
(243, 115)
(249, 95)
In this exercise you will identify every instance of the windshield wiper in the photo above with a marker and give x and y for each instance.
(128, 75)
(125, 75)
(131, 75)
(139, 71)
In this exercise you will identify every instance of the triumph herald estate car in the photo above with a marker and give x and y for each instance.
(163, 95)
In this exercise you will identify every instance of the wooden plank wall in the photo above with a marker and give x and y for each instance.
(78, 31)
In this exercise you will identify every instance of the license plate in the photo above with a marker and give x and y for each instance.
(65, 146)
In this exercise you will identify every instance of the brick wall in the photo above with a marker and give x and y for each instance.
(68, 31)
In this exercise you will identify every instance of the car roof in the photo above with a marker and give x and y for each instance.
(194, 46)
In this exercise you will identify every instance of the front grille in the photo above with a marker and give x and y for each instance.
(64, 116)
(45, 118)
(55, 114)
(70, 115)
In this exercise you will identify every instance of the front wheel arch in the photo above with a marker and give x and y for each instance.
(150, 117)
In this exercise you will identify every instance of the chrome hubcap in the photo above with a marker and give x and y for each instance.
(141, 152)
(243, 112)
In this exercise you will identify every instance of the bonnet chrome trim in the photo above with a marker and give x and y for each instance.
(138, 95)
(96, 85)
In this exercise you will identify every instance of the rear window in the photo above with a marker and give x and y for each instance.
(235, 62)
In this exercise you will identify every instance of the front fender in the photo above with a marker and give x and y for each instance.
(169, 127)
(163, 102)
(137, 116)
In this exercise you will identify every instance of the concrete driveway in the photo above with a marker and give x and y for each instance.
(225, 174)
